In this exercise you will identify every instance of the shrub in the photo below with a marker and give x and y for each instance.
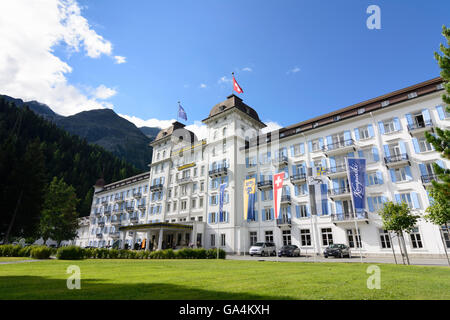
(10, 250)
(25, 251)
(89, 253)
(113, 253)
(40, 252)
(71, 253)
(123, 254)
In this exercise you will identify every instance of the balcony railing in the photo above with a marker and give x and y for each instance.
(116, 222)
(221, 171)
(428, 178)
(100, 223)
(118, 210)
(420, 125)
(107, 211)
(338, 191)
(134, 218)
(337, 169)
(156, 187)
(265, 184)
(131, 208)
(99, 235)
(283, 221)
(115, 234)
(184, 180)
(280, 160)
(285, 198)
(137, 195)
(119, 199)
(299, 177)
(142, 206)
(396, 158)
(349, 216)
(339, 145)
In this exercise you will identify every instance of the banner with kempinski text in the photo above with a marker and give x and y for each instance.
(249, 199)
(356, 171)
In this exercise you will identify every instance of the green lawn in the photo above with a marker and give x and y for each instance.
(223, 279)
(9, 259)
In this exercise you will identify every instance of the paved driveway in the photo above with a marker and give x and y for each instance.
(414, 261)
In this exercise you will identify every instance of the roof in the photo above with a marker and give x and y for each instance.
(234, 101)
(168, 131)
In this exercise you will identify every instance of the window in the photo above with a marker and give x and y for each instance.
(253, 237)
(214, 200)
(194, 203)
(200, 202)
(305, 237)
(168, 207)
(406, 197)
(424, 145)
(286, 237)
(224, 134)
(213, 240)
(352, 235)
(315, 145)
(327, 236)
(183, 205)
(416, 239)
(266, 213)
(212, 216)
(385, 103)
(385, 239)
(364, 133)
(400, 174)
(175, 206)
(361, 110)
(374, 178)
(303, 211)
(337, 118)
(222, 240)
(412, 95)
(269, 236)
(389, 126)
(195, 172)
(202, 170)
(202, 186)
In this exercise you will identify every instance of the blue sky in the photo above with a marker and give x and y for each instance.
(173, 47)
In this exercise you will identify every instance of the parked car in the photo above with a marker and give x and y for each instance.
(263, 249)
(289, 251)
(337, 250)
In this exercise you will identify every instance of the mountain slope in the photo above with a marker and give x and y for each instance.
(102, 127)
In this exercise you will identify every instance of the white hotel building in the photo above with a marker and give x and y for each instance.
(176, 203)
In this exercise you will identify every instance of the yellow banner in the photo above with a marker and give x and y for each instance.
(249, 188)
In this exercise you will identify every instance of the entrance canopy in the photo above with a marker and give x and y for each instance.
(156, 226)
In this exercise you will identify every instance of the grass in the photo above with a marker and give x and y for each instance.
(223, 279)
(11, 259)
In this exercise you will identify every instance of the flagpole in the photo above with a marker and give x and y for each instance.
(178, 109)
(232, 83)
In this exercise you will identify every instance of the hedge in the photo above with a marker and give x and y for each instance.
(40, 252)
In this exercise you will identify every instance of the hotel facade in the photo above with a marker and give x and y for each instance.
(176, 203)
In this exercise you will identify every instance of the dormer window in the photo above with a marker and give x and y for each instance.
(315, 124)
(337, 118)
(222, 108)
(385, 103)
(412, 95)
(361, 110)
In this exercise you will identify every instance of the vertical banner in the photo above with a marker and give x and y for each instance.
(221, 195)
(277, 191)
(356, 171)
(249, 199)
(318, 191)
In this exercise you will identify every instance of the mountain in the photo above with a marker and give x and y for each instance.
(102, 127)
(150, 132)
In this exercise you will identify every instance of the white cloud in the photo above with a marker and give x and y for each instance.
(29, 69)
(293, 70)
(271, 126)
(120, 59)
(224, 79)
(103, 92)
(247, 69)
(202, 86)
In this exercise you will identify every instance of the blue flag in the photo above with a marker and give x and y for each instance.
(356, 176)
(181, 113)
(221, 200)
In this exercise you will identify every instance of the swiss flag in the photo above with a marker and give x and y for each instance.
(236, 86)
(277, 191)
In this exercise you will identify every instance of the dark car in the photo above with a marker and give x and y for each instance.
(289, 251)
(337, 250)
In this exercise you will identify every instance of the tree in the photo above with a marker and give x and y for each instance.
(398, 218)
(441, 142)
(59, 215)
(439, 213)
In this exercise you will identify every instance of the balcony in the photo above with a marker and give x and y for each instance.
(119, 200)
(222, 171)
(130, 209)
(97, 213)
(156, 187)
(420, 127)
(100, 223)
(142, 206)
(266, 184)
(349, 217)
(134, 219)
(298, 178)
(99, 235)
(286, 199)
(114, 235)
(337, 171)
(137, 195)
(284, 221)
(426, 180)
(116, 221)
(280, 161)
(118, 210)
(107, 212)
(104, 201)
(339, 147)
(337, 193)
(397, 160)
(184, 180)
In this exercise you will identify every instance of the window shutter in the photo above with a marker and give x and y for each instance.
(381, 127)
(397, 124)
(271, 214)
(321, 143)
(256, 215)
(440, 111)
(292, 150)
(423, 170)
(332, 164)
(297, 211)
(392, 172)
(347, 136)
(380, 177)
(263, 214)
(294, 170)
(440, 163)
(376, 156)
(302, 148)
(338, 207)
(370, 204)
(426, 115)
(296, 191)
(402, 147)
(262, 195)
(356, 134)
(308, 213)
(386, 150)
(416, 145)
(397, 198)
(310, 145)
(360, 154)
(370, 130)
(409, 119)
(408, 173)
(415, 199)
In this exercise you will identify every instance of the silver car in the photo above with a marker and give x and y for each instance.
(263, 249)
